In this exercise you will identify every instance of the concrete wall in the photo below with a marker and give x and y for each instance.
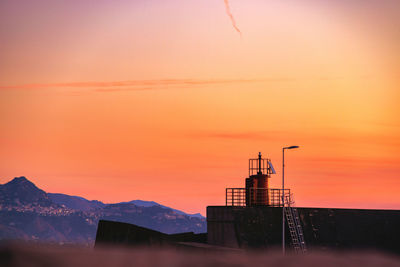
(260, 227)
(118, 233)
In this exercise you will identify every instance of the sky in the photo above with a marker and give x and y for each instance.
(166, 100)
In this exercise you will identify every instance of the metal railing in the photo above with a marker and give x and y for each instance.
(255, 197)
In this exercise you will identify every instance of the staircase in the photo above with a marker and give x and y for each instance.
(293, 221)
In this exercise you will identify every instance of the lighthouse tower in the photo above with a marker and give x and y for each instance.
(257, 191)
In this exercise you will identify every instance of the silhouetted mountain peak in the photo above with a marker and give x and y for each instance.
(21, 182)
(144, 203)
(20, 179)
(22, 191)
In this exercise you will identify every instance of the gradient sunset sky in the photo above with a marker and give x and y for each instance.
(164, 100)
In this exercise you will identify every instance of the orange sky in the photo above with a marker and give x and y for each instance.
(165, 101)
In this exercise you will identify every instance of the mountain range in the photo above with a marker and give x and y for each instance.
(80, 203)
(29, 213)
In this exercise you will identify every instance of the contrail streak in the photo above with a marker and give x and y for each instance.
(228, 12)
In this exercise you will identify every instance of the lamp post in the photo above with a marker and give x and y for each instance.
(283, 195)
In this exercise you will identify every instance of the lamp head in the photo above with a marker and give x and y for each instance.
(291, 147)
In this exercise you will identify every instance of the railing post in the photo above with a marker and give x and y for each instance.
(233, 199)
(226, 196)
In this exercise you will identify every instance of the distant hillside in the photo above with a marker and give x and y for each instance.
(74, 202)
(143, 203)
(29, 213)
(80, 203)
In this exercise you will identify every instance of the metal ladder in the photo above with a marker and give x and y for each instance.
(293, 222)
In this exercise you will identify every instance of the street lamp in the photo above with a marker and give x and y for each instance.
(283, 195)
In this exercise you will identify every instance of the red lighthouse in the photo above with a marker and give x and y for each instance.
(257, 190)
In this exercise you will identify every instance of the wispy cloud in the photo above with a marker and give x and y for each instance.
(232, 18)
(137, 85)
(338, 137)
(239, 135)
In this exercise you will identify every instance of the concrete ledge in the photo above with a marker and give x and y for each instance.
(261, 227)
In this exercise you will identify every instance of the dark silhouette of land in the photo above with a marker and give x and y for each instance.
(29, 213)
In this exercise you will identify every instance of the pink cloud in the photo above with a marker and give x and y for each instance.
(100, 86)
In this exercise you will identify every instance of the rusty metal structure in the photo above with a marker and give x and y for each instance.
(257, 191)
(260, 171)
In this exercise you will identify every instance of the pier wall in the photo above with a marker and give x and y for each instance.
(324, 228)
